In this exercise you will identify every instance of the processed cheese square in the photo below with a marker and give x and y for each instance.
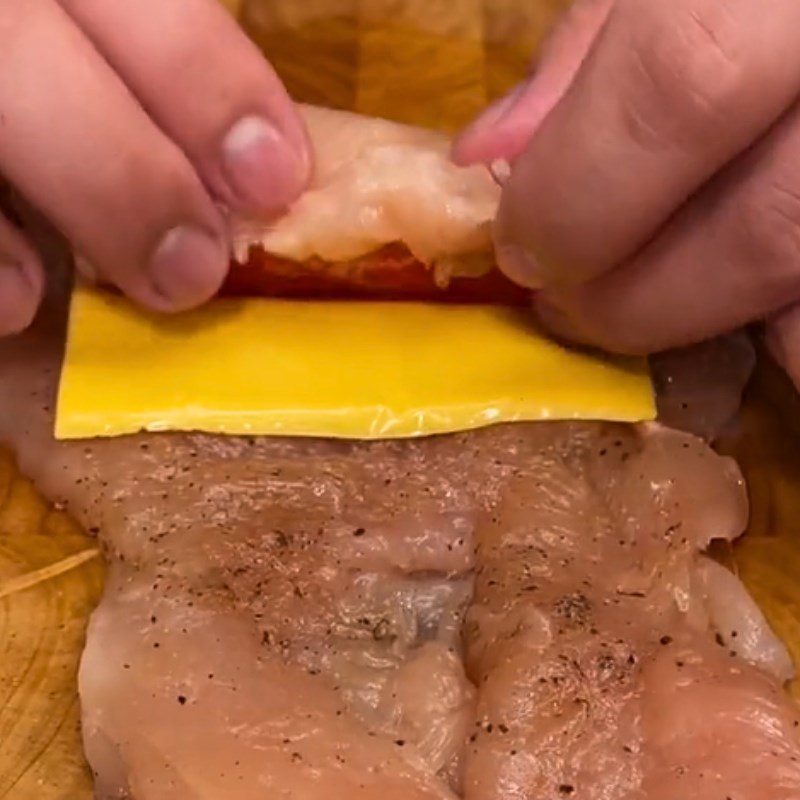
(355, 370)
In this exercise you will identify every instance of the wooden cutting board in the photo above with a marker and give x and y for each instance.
(430, 62)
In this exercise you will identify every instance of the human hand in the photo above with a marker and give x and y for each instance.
(128, 124)
(655, 189)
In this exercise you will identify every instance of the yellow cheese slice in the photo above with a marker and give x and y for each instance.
(338, 369)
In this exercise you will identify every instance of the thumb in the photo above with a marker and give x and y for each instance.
(504, 129)
(783, 341)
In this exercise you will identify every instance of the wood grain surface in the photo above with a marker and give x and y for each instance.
(430, 62)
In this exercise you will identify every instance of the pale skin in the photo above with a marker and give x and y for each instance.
(655, 194)
(654, 197)
(128, 123)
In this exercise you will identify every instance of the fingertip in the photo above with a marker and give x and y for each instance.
(187, 268)
(21, 291)
(515, 237)
(524, 225)
(519, 264)
(486, 138)
(267, 167)
(557, 321)
(568, 317)
(782, 338)
(775, 346)
(505, 128)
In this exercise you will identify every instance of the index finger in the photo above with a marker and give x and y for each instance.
(668, 95)
(211, 90)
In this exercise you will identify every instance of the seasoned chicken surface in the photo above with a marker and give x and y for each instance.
(518, 612)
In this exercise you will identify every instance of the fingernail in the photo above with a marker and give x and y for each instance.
(500, 170)
(519, 265)
(187, 268)
(266, 172)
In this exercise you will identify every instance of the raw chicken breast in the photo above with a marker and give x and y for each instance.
(377, 183)
(715, 728)
(516, 612)
(268, 633)
(185, 695)
(588, 593)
